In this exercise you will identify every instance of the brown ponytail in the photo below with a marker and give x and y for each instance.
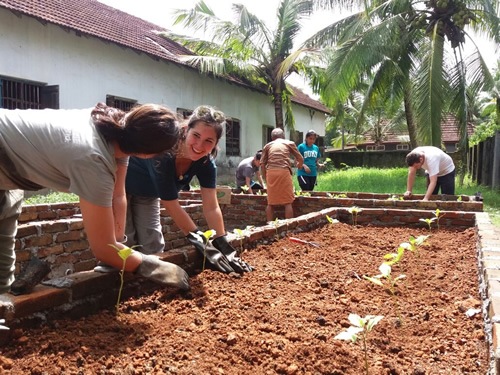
(146, 129)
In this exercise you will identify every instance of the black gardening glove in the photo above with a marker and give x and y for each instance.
(230, 252)
(206, 249)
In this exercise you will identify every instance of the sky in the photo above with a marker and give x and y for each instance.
(160, 12)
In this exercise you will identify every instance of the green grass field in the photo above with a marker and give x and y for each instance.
(393, 181)
(373, 180)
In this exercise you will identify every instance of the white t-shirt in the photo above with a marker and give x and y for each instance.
(436, 162)
(57, 149)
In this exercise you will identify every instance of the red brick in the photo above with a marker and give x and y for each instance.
(42, 240)
(75, 224)
(55, 226)
(46, 251)
(87, 265)
(76, 245)
(69, 236)
(41, 298)
(27, 216)
(23, 255)
(25, 230)
(47, 215)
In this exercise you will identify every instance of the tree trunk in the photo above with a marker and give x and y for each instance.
(278, 109)
(412, 129)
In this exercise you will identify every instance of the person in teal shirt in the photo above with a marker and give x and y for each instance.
(311, 155)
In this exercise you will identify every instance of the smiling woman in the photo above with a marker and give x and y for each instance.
(159, 180)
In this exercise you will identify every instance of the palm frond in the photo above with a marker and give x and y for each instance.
(429, 92)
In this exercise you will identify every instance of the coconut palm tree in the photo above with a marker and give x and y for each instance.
(247, 48)
(415, 52)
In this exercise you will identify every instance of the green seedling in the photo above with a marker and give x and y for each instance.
(386, 280)
(393, 258)
(414, 244)
(395, 197)
(302, 193)
(276, 223)
(386, 275)
(241, 233)
(207, 235)
(331, 221)
(123, 254)
(428, 222)
(354, 211)
(360, 327)
(459, 199)
(245, 188)
(439, 214)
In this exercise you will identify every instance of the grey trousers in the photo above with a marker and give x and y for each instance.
(143, 225)
(10, 208)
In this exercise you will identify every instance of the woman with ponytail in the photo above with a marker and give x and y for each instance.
(84, 152)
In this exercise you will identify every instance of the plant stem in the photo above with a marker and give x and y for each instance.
(366, 353)
(121, 286)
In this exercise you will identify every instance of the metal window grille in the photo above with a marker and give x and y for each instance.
(19, 95)
(232, 137)
(120, 103)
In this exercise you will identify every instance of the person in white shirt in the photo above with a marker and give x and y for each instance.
(439, 169)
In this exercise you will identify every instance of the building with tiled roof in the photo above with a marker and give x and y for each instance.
(394, 140)
(75, 53)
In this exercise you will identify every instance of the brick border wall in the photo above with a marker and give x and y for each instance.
(54, 232)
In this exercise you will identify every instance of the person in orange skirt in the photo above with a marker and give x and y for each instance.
(277, 171)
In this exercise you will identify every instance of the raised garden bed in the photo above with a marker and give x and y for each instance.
(283, 318)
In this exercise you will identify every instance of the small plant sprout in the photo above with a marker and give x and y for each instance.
(206, 236)
(241, 233)
(393, 258)
(428, 222)
(386, 280)
(414, 244)
(360, 327)
(354, 211)
(385, 274)
(245, 188)
(299, 193)
(276, 223)
(395, 197)
(439, 214)
(331, 221)
(123, 254)
(459, 199)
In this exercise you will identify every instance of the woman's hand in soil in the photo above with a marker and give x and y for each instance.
(207, 250)
(230, 252)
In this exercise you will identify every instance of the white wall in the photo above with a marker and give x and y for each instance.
(87, 69)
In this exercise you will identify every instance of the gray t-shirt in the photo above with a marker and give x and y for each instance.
(57, 149)
(245, 169)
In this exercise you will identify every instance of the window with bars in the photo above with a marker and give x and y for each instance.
(18, 94)
(232, 137)
(121, 103)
